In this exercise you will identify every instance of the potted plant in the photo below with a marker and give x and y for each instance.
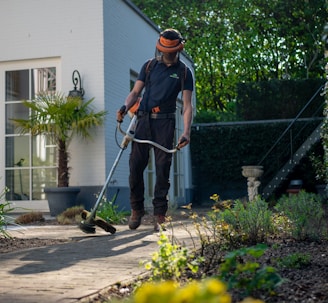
(61, 118)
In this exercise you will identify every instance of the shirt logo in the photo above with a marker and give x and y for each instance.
(175, 76)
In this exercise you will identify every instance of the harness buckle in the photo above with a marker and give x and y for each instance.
(155, 109)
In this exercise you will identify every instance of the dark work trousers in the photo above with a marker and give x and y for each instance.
(160, 131)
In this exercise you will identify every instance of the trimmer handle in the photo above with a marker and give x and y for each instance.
(132, 111)
(183, 139)
(122, 110)
(120, 114)
(129, 136)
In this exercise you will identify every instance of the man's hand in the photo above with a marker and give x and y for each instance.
(120, 114)
(183, 141)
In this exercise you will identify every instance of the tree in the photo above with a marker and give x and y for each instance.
(233, 41)
(61, 118)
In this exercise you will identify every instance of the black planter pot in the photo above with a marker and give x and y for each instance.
(61, 198)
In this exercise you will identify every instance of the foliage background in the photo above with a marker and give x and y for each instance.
(237, 41)
(254, 60)
(279, 99)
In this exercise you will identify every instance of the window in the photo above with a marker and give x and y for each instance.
(30, 162)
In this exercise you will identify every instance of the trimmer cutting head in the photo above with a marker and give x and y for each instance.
(87, 227)
(89, 223)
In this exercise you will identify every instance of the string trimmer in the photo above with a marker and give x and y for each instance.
(89, 219)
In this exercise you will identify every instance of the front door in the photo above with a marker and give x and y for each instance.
(29, 162)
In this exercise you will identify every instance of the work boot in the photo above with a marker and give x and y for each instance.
(135, 218)
(159, 221)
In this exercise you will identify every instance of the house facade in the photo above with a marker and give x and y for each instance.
(42, 43)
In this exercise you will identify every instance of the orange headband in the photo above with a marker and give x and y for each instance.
(169, 46)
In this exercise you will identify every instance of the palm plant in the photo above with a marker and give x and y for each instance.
(61, 118)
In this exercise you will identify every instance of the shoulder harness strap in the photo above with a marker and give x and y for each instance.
(150, 65)
(183, 75)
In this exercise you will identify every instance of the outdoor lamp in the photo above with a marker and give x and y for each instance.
(76, 78)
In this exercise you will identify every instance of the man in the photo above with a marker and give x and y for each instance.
(163, 79)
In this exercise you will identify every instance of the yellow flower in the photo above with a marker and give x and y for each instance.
(155, 256)
(166, 290)
(187, 294)
(187, 206)
(251, 300)
(206, 291)
(150, 292)
(214, 286)
(148, 266)
(224, 298)
(145, 293)
(215, 197)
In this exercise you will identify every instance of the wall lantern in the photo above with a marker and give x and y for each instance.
(76, 78)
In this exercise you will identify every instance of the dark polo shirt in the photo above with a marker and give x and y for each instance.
(163, 86)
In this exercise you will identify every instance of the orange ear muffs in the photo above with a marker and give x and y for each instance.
(169, 46)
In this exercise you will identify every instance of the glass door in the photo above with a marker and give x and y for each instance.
(30, 162)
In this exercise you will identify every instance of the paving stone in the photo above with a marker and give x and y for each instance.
(86, 264)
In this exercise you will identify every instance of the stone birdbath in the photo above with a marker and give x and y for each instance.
(252, 173)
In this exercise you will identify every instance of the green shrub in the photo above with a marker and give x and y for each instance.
(108, 211)
(171, 261)
(296, 260)
(210, 116)
(282, 225)
(306, 214)
(221, 163)
(251, 219)
(210, 235)
(324, 128)
(4, 210)
(240, 272)
(277, 99)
